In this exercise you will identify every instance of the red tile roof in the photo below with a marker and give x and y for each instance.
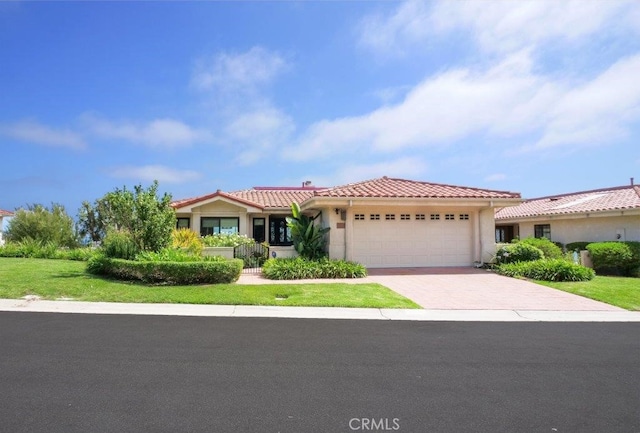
(5, 213)
(599, 200)
(386, 187)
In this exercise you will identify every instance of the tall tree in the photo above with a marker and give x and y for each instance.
(141, 212)
(43, 224)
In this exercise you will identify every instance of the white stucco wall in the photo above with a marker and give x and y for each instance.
(588, 229)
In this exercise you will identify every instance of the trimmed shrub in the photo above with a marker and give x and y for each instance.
(301, 268)
(170, 255)
(577, 246)
(612, 258)
(214, 271)
(547, 270)
(518, 252)
(550, 249)
(188, 240)
(119, 244)
(226, 240)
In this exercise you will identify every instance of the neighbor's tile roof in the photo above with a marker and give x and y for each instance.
(600, 200)
(386, 187)
(5, 213)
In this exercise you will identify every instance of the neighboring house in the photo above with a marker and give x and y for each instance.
(606, 214)
(382, 222)
(3, 213)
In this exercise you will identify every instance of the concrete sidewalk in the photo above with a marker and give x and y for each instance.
(76, 307)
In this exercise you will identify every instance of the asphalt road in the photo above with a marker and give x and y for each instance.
(67, 373)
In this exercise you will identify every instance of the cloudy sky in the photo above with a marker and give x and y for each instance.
(533, 97)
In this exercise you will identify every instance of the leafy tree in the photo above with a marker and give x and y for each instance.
(148, 218)
(44, 225)
(308, 237)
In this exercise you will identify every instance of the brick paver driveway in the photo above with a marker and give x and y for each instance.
(477, 289)
(465, 289)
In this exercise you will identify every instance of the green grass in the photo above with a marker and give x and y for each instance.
(54, 279)
(619, 291)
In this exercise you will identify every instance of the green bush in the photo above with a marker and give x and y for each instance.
(577, 246)
(119, 244)
(550, 249)
(547, 270)
(301, 268)
(30, 248)
(188, 240)
(613, 258)
(213, 271)
(226, 240)
(518, 252)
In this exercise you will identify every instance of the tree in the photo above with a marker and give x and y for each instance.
(148, 218)
(44, 225)
(308, 237)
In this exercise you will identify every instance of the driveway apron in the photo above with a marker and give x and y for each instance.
(477, 289)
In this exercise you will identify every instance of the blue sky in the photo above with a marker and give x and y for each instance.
(533, 97)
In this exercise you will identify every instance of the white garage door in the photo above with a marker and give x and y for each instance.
(412, 240)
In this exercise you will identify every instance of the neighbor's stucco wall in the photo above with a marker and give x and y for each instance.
(587, 229)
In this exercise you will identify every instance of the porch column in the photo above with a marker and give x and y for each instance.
(348, 234)
(195, 222)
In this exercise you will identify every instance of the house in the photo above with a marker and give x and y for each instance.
(606, 214)
(383, 222)
(3, 213)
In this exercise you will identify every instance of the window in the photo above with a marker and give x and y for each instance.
(374, 216)
(183, 223)
(390, 216)
(279, 233)
(405, 216)
(258, 230)
(464, 216)
(542, 231)
(360, 217)
(435, 216)
(420, 216)
(449, 217)
(217, 225)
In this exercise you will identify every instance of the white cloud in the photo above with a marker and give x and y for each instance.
(158, 133)
(505, 102)
(496, 26)
(154, 172)
(34, 132)
(233, 72)
(598, 111)
(256, 133)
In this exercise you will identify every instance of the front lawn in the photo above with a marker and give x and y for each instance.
(619, 291)
(55, 279)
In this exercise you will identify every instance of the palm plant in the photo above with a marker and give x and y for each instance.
(308, 237)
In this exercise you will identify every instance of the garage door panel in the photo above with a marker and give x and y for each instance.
(406, 243)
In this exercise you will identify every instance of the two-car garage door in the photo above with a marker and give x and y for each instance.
(412, 239)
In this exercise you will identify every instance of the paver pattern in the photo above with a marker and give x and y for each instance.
(465, 289)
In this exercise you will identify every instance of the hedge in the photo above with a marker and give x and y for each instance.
(518, 252)
(615, 258)
(221, 271)
(550, 249)
(301, 268)
(547, 270)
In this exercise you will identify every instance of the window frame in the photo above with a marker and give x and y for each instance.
(287, 231)
(542, 231)
(204, 232)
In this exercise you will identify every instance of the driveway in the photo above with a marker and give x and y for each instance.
(466, 289)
